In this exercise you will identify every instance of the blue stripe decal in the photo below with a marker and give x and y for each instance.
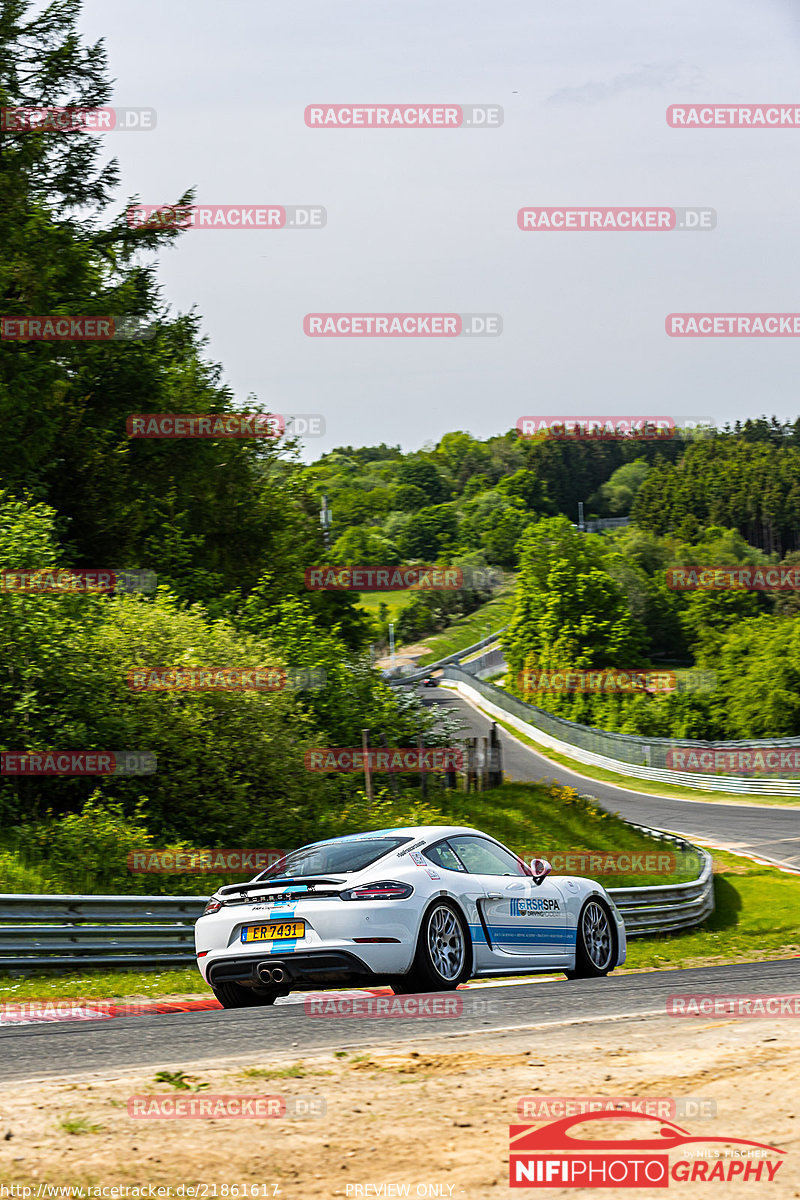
(531, 933)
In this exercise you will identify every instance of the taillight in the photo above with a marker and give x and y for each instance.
(212, 907)
(385, 890)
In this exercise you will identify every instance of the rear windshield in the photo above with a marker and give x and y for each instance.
(332, 857)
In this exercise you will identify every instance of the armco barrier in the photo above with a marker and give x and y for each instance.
(39, 932)
(97, 931)
(623, 753)
(424, 672)
(667, 906)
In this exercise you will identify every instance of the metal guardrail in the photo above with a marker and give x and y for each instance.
(669, 906)
(424, 672)
(623, 753)
(39, 932)
(97, 931)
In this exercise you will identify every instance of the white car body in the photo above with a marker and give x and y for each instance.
(517, 923)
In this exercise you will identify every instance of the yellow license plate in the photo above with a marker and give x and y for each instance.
(274, 932)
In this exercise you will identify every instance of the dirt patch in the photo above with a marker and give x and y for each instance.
(430, 1115)
(443, 1064)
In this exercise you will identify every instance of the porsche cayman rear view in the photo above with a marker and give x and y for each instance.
(420, 909)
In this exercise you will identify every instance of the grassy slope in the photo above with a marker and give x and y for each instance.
(469, 630)
(534, 819)
(394, 601)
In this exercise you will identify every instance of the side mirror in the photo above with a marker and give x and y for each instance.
(540, 869)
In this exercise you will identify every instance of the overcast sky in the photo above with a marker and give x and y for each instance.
(425, 220)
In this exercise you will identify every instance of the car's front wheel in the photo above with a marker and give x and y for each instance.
(233, 995)
(443, 955)
(594, 950)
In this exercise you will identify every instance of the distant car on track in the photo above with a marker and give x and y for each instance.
(431, 681)
(420, 909)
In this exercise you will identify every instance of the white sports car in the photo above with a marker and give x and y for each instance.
(420, 909)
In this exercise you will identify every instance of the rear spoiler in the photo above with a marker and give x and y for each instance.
(231, 889)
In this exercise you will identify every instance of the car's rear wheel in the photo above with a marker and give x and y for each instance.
(443, 955)
(596, 942)
(233, 995)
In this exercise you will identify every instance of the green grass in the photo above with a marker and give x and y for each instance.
(295, 1071)
(16, 876)
(180, 1081)
(78, 1125)
(468, 630)
(370, 602)
(535, 819)
(100, 984)
(757, 916)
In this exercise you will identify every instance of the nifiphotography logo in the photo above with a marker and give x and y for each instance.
(551, 1155)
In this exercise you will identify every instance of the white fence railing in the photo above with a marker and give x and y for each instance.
(622, 753)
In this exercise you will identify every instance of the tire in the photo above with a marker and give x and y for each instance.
(443, 956)
(233, 995)
(596, 943)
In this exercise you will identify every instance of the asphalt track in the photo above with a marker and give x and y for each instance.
(764, 831)
(266, 1034)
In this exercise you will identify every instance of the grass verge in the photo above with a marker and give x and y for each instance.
(757, 916)
(537, 819)
(470, 629)
(102, 984)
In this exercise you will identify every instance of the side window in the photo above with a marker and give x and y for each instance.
(485, 858)
(442, 856)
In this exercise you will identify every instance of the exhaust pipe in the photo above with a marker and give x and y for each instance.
(265, 973)
(278, 975)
